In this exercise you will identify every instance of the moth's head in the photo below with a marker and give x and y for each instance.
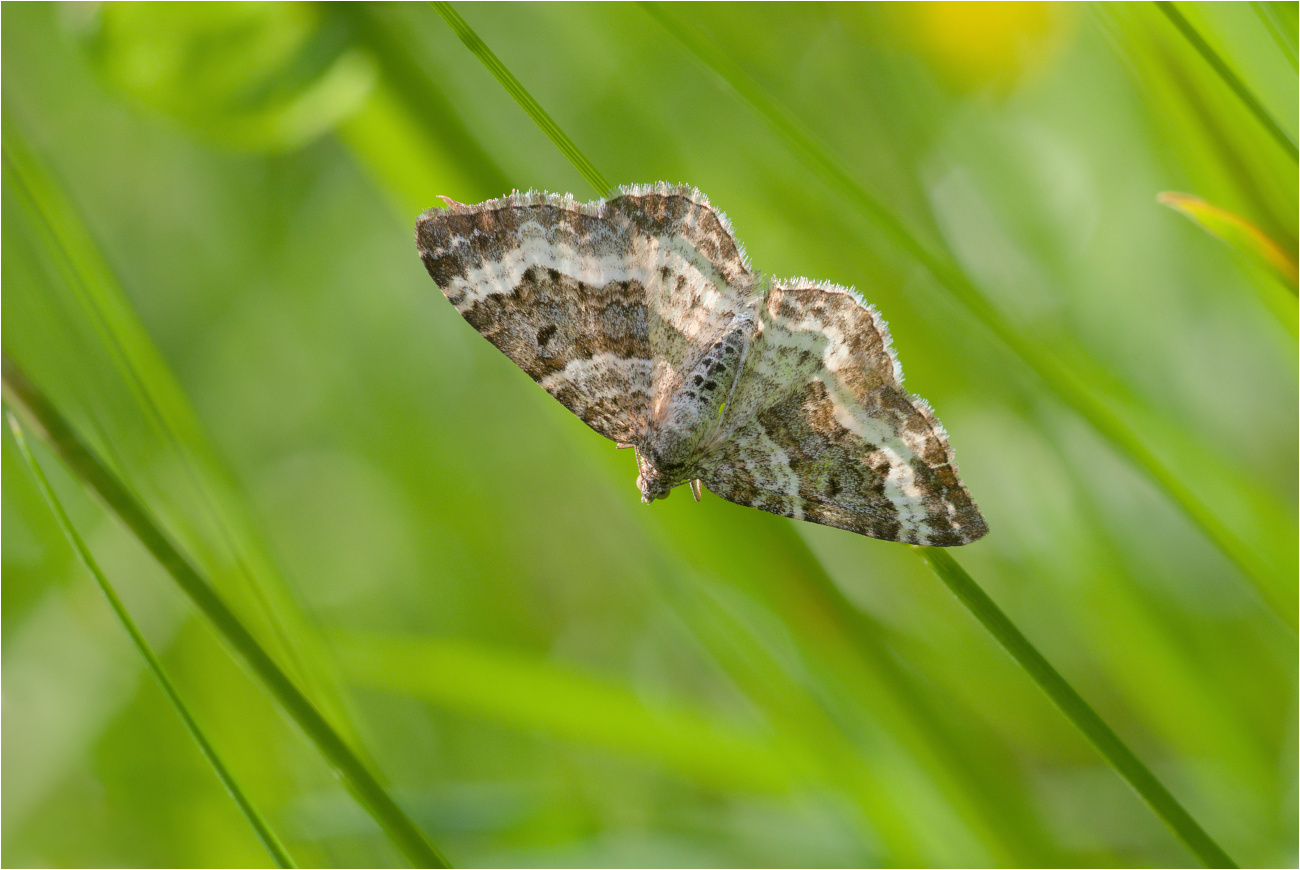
(651, 481)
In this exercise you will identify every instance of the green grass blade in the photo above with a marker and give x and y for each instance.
(925, 729)
(907, 701)
(1074, 707)
(523, 98)
(543, 696)
(416, 88)
(163, 408)
(260, 827)
(92, 472)
(1240, 234)
(1283, 32)
(1230, 78)
(1067, 384)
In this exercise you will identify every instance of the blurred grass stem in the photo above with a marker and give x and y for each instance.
(1278, 29)
(264, 833)
(91, 471)
(1230, 78)
(161, 404)
(1074, 707)
(525, 100)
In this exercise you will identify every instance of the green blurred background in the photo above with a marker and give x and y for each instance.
(544, 670)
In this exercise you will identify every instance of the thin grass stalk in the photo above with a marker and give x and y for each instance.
(922, 728)
(852, 652)
(1268, 14)
(1077, 710)
(1027, 656)
(525, 100)
(144, 374)
(1059, 379)
(87, 467)
(407, 77)
(1230, 78)
(260, 827)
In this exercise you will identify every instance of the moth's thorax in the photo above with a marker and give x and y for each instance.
(689, 410)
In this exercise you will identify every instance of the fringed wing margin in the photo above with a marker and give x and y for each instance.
(826, 433)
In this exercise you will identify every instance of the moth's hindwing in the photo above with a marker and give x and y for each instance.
(829, 435)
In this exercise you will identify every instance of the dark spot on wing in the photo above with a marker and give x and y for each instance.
(545, 334)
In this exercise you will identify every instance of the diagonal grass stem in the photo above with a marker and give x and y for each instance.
(525, 100)
(1075, 708)
(263, 831)
(100, 298)
(1230, 78)
(1277, 27)
(22, 393)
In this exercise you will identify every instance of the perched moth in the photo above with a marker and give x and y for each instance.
(641, 314)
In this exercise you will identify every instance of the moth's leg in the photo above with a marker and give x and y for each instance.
(695, 488)
(625, 446)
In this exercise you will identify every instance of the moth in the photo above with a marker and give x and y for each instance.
(642, 315)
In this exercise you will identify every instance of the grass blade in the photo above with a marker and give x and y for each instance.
(218, 533)
(1240, 234)
(1283, 32)
(417, 89)
(92, 472)
(264, 833)
(525, 100)
(1067, 384)
(1230, 78)
(488, 682)
(996, 622)
(1074, 707)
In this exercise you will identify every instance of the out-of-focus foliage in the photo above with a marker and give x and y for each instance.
(251, 75)
(544, 670)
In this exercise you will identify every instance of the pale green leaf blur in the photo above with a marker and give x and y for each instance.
(460, 573)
